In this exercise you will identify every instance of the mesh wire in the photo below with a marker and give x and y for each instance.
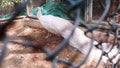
(51, 55)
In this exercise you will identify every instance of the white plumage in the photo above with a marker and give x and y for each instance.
(63, 28)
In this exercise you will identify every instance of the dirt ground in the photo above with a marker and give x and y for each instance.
(29, 30)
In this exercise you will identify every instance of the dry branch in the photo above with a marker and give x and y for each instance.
(19, 17)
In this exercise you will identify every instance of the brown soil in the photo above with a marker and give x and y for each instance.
(19, 56)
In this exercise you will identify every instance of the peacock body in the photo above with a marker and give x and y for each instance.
(63, 27)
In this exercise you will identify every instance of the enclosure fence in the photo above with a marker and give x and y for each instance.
(51, 55)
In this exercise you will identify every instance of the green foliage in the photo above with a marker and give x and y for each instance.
(9, 2)
(34, 11)
(55, 8)
(10, 14)
(7, 5)
(6, 16)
